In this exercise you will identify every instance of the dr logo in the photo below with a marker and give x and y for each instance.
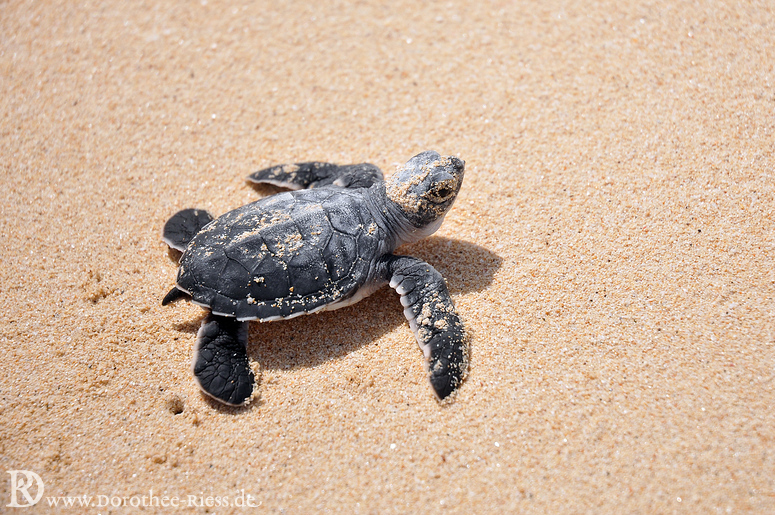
(21, 482)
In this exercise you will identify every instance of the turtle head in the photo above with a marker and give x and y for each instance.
(424, 189)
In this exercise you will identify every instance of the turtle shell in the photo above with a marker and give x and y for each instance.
(284, 255)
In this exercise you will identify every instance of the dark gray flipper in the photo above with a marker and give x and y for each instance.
(300, 176)
(183, 226)
(431, 314)
(221, 361)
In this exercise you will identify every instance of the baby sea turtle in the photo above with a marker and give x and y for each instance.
(326, 245)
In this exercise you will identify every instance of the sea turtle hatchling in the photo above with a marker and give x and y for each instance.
(325, 245)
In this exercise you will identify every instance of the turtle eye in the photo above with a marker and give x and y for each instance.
(442, 193)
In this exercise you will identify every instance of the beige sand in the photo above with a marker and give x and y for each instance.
(612, 253)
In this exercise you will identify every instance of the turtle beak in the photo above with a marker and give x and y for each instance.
(456, 168)
(458, 163)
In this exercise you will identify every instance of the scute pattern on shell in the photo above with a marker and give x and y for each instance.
(288, 254)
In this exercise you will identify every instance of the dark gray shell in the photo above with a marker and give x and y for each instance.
(284, 255)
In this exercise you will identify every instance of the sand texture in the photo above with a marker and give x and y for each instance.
(612, 253)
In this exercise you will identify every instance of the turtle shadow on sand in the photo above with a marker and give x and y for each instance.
(309, 341)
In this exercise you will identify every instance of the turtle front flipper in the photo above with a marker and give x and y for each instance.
(313, 174)
(431, 314)
(181, 228)
(221, 361)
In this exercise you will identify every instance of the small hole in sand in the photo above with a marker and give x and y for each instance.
(175, 405)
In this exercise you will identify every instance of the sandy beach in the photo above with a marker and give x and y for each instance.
(612, 253)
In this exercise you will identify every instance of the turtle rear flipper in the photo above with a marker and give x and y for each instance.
(314, 174)
(439, 331)
(220, 362)
(183, 226)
